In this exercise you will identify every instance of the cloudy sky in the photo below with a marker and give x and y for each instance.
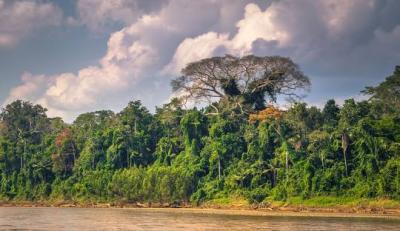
(83, 55)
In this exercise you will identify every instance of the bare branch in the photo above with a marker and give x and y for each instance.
(251, 78)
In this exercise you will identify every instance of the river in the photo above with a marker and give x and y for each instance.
(16, 218)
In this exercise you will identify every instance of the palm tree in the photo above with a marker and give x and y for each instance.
(345, 145)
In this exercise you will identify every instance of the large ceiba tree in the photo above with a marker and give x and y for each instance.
(248, 81)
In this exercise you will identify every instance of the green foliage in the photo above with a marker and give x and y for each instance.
(387, 93)
(304, 155)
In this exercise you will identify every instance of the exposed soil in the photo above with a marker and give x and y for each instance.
(256, 210)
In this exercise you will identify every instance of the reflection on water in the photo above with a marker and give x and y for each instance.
(143, 219)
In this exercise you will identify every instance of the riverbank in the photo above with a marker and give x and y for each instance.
(319, 206)
(322, 204)
(287, 212)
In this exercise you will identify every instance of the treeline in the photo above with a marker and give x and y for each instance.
(252, 150)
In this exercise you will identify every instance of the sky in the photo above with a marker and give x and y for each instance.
(75, 56)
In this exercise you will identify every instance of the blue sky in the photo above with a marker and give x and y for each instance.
(85, 55)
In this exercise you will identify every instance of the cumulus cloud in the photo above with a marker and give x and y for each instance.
(131, 66)
(327, 38)
(330, 39)
(30, 87)
(100, 14)
(19, 18)
(212, 43)
(92, 87)
(205, 46)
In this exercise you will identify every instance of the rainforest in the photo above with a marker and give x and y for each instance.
(238, 144)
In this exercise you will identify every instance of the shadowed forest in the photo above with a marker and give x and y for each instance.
(241, 144)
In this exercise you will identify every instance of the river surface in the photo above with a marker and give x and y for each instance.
(158, 219)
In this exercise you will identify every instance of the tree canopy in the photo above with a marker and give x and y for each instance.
(179, 156)
(247, 81)
(387, 92)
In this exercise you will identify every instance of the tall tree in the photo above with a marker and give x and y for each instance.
(24, 124)
(331, 113)
(245, 82)
(387, 92)
(66, 154)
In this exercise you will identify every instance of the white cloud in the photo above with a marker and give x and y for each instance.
(69, 94)
(257, 24)
(248, 31)
(193, 49)
(134, 53)
(318, 33)
(19, 18)
(31, 87)
(160, 38)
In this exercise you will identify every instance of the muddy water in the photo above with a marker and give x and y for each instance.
(159, 219)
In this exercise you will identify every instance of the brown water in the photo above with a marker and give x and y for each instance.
(144, 219)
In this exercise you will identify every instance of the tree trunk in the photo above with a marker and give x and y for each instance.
(22, 156)
(135, 126)
(322, 161)
(127, 159)
(286, 160)
(219, 168)
(287, 165)
(345, 162)
(73, 152)
(345, 145)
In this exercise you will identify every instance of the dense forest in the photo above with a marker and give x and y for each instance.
(239, 144)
